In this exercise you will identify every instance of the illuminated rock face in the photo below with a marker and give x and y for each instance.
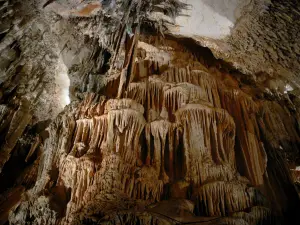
(182, 143)
(208, 18)
(158, 130)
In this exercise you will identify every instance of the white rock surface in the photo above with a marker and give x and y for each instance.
(209, 18)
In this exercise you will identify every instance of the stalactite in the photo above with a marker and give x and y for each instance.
(196, 77)
(137, 92)
(148, 185)
(154, 97)
(93, 105)
(221, 198)
(98, 138)
(177, 131)
(201, 139)
(76, 174)
(252, 156)
(258, 215)
(182, 93)
(123, 126)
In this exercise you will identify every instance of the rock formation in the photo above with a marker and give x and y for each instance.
(158, 130)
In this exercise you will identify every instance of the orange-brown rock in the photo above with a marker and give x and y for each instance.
(108, 118)
(179, 134)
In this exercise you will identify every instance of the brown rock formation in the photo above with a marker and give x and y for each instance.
(169, 137)
(158, 130)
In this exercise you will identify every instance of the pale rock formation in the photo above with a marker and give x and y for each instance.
(158, 131)
(173, 136)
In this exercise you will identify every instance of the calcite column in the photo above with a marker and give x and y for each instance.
(251, 156)
(204, 132)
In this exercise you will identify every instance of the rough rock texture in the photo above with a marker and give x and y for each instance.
(176, 132)
(208, 18)
(158, 131)
(278, 52)
(264, 40)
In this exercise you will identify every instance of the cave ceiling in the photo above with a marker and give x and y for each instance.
(149, 112)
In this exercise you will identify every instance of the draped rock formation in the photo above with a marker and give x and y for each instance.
(177, 132)
(158, 131)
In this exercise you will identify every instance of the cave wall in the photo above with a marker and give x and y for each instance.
(260, 37)
(158, 131)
